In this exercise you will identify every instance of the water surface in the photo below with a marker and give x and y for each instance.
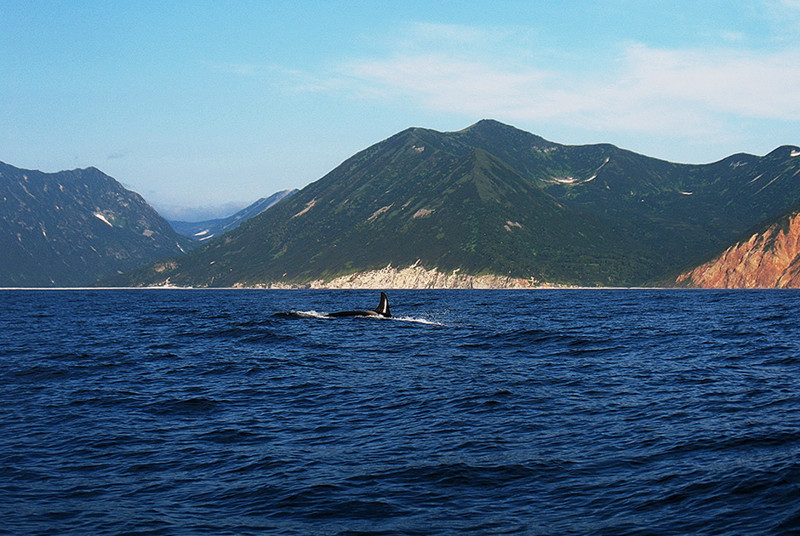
(470, 412)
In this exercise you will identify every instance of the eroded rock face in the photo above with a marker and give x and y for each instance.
(418, 277)
(414, 277)
(767, 260)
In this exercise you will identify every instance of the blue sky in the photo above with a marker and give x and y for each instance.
(210, 104)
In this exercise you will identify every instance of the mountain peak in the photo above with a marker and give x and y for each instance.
(497, 132)
(488, 125)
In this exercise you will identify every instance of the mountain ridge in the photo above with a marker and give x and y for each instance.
(70, 228)
(492, 199)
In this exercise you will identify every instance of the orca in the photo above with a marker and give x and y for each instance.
(381, 310)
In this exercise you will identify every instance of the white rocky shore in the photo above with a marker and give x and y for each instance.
(417, 277)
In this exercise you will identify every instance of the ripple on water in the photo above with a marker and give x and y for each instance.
(572, 412)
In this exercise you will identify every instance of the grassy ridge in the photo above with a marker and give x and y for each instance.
(494, 199)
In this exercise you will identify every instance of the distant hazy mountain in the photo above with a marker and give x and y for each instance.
(72, 227)
(492, 199)
(205, 230)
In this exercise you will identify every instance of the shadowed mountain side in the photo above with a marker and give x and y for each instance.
(72, 227)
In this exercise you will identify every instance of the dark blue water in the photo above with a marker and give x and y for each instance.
(497, 412)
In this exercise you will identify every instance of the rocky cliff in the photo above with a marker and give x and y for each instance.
(418, 277)
(411, 277)
(768, 259)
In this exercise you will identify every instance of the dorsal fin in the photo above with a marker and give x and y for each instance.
(383, 306)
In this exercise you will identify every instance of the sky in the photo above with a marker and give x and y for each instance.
(203, 107)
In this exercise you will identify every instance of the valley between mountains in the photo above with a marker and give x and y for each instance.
(490, 206)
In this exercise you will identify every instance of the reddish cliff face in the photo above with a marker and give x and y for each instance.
(770, 259)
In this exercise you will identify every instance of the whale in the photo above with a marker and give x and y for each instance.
(381, 310)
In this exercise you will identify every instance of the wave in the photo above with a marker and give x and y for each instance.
(417, 320)
(325, 316)
(301, 314)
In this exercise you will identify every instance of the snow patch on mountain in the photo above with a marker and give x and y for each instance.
(102, 218)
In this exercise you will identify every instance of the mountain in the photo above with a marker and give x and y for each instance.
(495, 200)
(72, 227)
(769, 258)
(205, 230)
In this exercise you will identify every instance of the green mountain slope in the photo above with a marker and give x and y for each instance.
(74, 227)
(494, 199)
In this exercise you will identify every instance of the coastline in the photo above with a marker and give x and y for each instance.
(355, 288)
(413, 277)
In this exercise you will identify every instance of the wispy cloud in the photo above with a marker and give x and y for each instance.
(760, 85)
(452, 84)
(283, 77)
(644, 88)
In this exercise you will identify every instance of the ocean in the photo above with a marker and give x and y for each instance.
(542, 412)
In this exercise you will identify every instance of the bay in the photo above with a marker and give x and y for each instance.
(470, 412)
